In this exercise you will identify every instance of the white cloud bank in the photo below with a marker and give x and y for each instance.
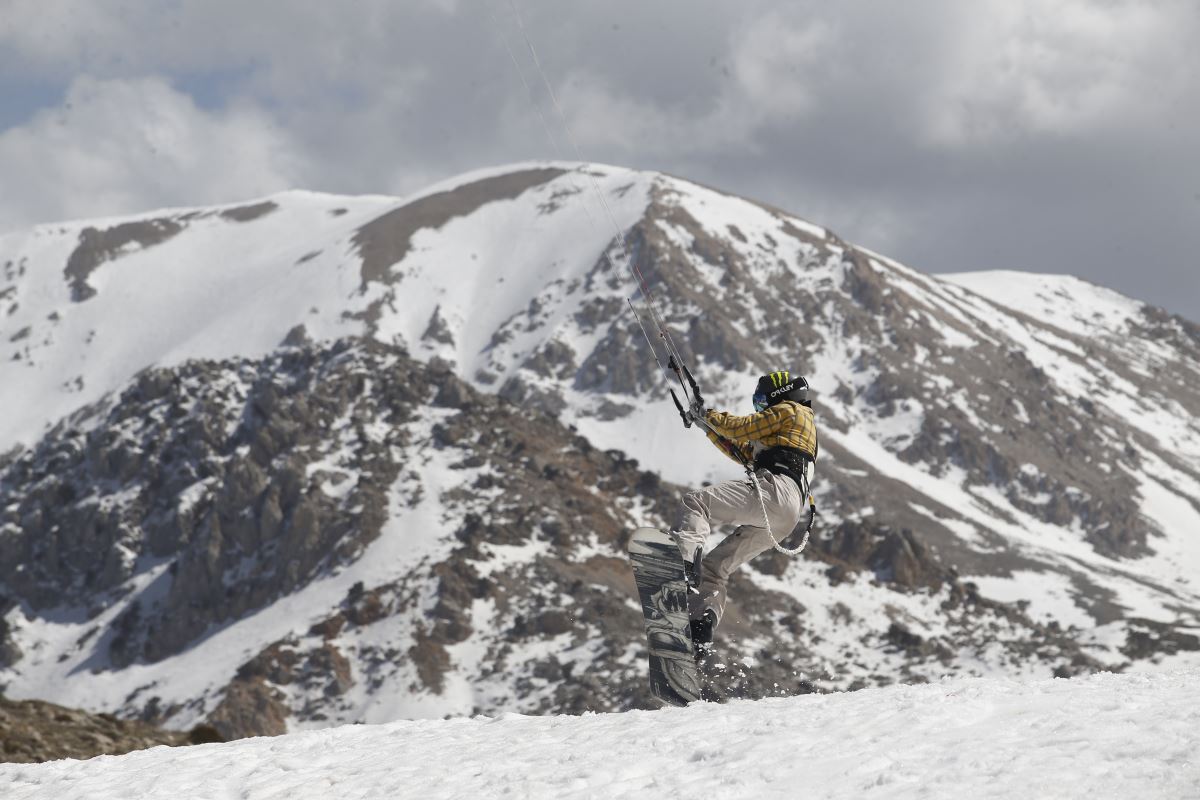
(1058, 67)
(117, 146)
(919, 128)
(938, 74)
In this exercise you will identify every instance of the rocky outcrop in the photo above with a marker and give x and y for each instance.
(894, 321)
(33, 731)
(251, 212)
(98, 246)
(220, 471)
(387, 239)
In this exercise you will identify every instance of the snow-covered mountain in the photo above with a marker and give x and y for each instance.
(316, 459)
(1104, 736)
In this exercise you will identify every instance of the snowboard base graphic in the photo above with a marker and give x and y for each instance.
(658, 570)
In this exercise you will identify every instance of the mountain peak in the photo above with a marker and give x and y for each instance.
(378, 453)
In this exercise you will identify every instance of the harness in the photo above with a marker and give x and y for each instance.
(789, 461)
(778, 460)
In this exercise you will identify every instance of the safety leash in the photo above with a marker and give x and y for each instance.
(762, 502)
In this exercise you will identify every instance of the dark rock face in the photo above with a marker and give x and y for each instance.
(32, 731)
(10, 651)
(218, 475)
(250, 707)
(97, 246)
(249, 213)
(216, 468)
(386, 240)
(614, 366)
(1150, 639)
(207, 492)
(437, 330)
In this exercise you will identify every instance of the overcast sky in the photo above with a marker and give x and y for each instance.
(1045, 135)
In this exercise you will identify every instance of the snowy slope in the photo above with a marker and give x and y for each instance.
(51, 668)
(1105, 736)
(229, 284)
(218, 288)
(1067, 302)
(1037, 434)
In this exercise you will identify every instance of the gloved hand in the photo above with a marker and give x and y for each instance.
(696, 411)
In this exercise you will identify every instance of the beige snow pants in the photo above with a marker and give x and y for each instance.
(736, 503)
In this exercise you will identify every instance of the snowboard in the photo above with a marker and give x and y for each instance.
(658, 570)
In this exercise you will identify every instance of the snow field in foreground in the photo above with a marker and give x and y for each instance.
(1102, 736)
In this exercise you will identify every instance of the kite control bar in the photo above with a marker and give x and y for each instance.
(696, 400)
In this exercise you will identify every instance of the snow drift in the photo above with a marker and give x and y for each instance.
(1105, 736)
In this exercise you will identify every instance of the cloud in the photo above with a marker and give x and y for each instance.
(781, 63)
(775, 67)
(121, 146)
(1036, 134)
(53, 39)
(1019, 68)
(297, 42)
(604, 118)
(366, 97)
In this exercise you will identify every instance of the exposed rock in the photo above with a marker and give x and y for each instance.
(248, 495)
(33, 731)
(386, 241)
(10, 651)
(250, 212)
(98, 246)
(521, 392)
(1148, 639)
(250, 707)
(437, 330)
(554, 359)
(616, 365)
(297, 337)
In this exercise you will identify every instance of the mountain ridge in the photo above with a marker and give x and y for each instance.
(981, 506)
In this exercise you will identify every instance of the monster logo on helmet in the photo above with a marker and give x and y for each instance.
(777, 387)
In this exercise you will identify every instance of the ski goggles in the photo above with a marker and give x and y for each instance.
(760, 402)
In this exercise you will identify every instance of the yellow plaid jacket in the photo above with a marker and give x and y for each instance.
(786, 424)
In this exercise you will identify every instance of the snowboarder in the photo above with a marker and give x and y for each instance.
(779, 440)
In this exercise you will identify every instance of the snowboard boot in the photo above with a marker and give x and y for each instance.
(695, 570)
(702, 633)
(707, 661)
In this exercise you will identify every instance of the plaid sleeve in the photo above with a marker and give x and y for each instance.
(727, 447)
(751, 427)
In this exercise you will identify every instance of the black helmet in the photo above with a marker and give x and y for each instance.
(779, 386)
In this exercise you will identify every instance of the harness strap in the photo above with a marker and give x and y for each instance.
(762, 502)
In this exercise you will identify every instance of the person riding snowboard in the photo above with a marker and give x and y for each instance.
(780, 440)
